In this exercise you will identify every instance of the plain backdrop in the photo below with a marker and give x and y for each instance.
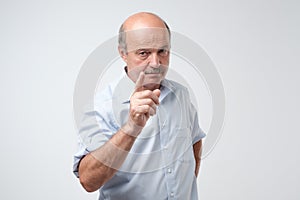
(254, 45)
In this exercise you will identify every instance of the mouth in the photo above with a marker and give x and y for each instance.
(154, 71)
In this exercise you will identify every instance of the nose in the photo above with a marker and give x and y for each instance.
(154, 60)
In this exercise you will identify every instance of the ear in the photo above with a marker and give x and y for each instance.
(122, 53)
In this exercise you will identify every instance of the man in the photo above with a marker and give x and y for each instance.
(146, 142)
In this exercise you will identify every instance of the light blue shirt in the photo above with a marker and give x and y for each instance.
(161, 163)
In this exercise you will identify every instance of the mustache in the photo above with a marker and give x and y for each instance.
(154, 71)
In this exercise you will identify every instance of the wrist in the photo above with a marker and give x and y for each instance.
(131, 129)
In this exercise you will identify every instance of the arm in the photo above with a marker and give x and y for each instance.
(99, 166)
(197, 147)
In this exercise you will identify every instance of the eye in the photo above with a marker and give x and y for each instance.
(163, 52)
(143, 54)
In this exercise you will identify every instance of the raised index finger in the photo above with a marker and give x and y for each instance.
(139, 82)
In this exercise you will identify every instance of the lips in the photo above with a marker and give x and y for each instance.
(154, 71)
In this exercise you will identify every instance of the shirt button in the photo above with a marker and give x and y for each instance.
(169, 170)
(172, 194)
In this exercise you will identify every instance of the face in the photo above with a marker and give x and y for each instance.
(148, 50)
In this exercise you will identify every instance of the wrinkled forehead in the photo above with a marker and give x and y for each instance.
(147, 38)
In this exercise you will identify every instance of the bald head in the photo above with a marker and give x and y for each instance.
(138, 21)
(143, 20)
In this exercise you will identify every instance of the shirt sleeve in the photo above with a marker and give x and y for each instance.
(197, 132)
(96, 128)
(82, 151)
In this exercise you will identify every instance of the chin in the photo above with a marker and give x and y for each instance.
(153, 82)
(153, 79)
(152, 86)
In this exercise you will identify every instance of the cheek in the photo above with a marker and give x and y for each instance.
(135, 66)
(134, 61)
(165, 61)
(165, 71)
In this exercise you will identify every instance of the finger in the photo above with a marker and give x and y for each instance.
(152, 111)
(147, 94)
(139, 110)
(146, 110)
(140, 81)
(153, 108)
(156, 92)
(154, 98)
(148, 101)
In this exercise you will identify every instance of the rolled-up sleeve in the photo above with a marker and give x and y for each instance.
(77, 157)
(197, 132)
(96, 128)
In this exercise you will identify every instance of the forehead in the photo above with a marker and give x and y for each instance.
(147, 38)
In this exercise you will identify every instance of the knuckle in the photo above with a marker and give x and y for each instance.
(148, 92)
(148, 101)
(134, 96)
(133, 110)
(147, 107)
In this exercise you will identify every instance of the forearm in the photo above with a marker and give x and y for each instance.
(197, 147)
(99, 166)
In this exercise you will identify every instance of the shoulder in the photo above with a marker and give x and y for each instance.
(102, 100)
(105, 94)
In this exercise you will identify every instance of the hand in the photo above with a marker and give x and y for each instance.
(142, 105)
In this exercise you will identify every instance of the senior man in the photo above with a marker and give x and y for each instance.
(146, 142)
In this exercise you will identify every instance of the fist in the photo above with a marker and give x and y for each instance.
(143, 104)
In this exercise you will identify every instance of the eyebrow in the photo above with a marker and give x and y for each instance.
(148, 49)
(144, 49)
(165, 47)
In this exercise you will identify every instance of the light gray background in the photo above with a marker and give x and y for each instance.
(254, 45)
